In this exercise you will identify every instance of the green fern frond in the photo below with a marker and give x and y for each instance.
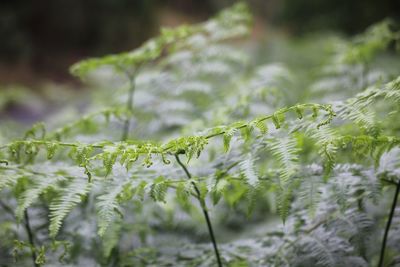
(285, 151)
(283, 201)
(8, 177)
(158, 189)
(229, 23)
(375, 39)
(32, 193)
(365, 119)
(68, 198)
(310, 192)
(37, 127)
(389, 91)
(247, 169)
(108, 206)
(110, 239)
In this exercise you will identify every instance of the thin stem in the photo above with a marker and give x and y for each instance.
(30, 237)
(115, 256)
(129, 107)
(389, 222)
(205, 212)
(27, 229)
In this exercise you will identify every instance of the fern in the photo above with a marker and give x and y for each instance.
(248, 171)
(230, 23)
(286, 152)
(69, 197)
(310, 192)
(108, 207)
(33, 192)
(178, 98)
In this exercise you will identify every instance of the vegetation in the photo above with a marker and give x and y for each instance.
(188, 151)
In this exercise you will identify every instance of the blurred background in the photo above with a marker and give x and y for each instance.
(41, 39)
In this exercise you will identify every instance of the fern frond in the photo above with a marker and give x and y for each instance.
(389, 91)
(325, 248)
(365, 46)
(283, 201)
(248, 171)
(365, 119)
(285, 150)
(68, 198)
(108, 206)
(32, 193)
(158, 189)
(110, 239)
(229, 23)
(8, 177)
(310, 192)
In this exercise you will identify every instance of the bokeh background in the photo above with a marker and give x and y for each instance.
(41, 39)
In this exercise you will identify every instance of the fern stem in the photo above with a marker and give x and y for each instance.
(27, 228)
(389, 222)
(129, 106)
(30, 237)
(327, 108)
(284, 110)
(205, 212)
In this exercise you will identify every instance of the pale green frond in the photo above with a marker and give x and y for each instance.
(70, 196)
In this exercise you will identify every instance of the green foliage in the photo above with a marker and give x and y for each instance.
(309, 163)
(69, 197)
(229, 23)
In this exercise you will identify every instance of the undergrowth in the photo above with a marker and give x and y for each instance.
(185, 140)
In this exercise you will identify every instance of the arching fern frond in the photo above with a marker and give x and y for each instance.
(228, 24)
(129, 151)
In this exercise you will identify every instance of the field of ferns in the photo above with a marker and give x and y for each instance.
(205, 147)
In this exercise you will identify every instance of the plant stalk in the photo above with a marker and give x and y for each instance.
(205, 212)
(129, 107)
(389, 222)
(30, 237)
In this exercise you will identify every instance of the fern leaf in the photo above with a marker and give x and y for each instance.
(158, 189)
(68, 198)
(110, 239)
(33, 192)
(310, 192)
(248, 171)
(283, 201)
(285, 151)
(325, 248)
(108, 206)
